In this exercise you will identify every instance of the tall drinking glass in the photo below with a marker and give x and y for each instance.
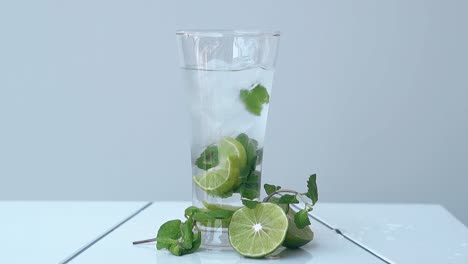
(228, 77)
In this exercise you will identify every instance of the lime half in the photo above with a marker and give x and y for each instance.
(296, 237)
(258, 232)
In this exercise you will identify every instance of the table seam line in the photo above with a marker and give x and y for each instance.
(103, 235)
(355, 242)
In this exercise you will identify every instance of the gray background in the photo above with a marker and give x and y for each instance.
(371, 95)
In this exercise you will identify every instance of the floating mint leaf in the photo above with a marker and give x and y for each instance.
(249, 203)
(269, 189)
(288, 199)
(301, 219)
(168, 234)
(255, 99)
(208, 159)
(312, 191)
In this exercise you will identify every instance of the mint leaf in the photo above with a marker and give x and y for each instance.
(212, 214)
(249, 191)
(288, 199)
(312, 191)
(250, 203)
(269, 189)
(195, 243)
(250, 179)
(250, 188)
(301, 219)
(168, 234)
(255, 99)
(208, 159)
(186, 234)
(190, 211)
(259, 156)
(175, 249)
(250, 145)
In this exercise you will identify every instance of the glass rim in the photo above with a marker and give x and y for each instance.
(228, 32)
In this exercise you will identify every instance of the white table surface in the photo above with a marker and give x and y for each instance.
(402, 233)
(328, 247)
(49, 232)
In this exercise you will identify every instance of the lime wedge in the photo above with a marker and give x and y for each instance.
(229, 147)
(258, 232)
(219, 179)
(222, 179)
(296, 237)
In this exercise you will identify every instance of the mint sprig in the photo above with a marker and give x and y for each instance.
(178, 237)
(301, 218)
(182, 238)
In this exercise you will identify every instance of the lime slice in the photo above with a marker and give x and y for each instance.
(258, 232)
(219, 179)
(229, 147)
(296, 237)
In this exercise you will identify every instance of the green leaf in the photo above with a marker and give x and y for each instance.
(176, 249)
(250, 188)
(301, 219)
(250, 145)
(168, 233)
(249, 191)
(212, 214)
(269, 189)
(250, 179)
(250, 203)
(288, 199)
(190, 211)
(187, 234)
(195, 243)
(259, 156)
(312, 191)
(208, 159)
(255, 99)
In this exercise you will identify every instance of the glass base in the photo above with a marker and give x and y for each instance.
(215, 238)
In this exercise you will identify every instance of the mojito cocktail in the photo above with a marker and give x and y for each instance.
(228, 77)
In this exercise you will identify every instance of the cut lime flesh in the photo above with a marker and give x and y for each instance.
(258, 232)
